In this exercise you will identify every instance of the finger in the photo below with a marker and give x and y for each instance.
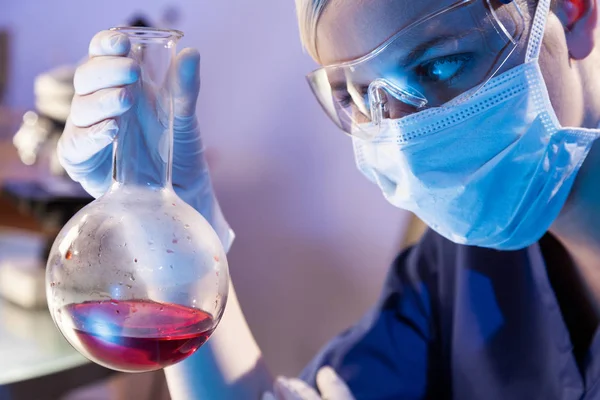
(295, 389)
(186, 85)
(105, 72)
(109, 43)
(284, 392)
(79, 145)
(103, 104)
(331, 386)
(306, 392)
(268, 396)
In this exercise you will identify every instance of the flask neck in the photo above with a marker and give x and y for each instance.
(143, 150)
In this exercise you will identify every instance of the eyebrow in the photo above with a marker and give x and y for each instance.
(418, 51)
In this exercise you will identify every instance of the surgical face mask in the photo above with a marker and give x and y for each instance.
(491, 168)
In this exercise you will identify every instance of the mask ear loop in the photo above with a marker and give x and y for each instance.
(537, 30)
(378, 100)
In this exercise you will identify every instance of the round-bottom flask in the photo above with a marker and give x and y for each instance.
(138, 279)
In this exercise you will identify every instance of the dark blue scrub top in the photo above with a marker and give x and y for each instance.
(459, 322)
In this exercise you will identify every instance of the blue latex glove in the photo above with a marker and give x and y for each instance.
(103, 93)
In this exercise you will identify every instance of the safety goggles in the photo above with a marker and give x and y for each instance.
(446, 55)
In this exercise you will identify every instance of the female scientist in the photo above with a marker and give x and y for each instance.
(480, 117)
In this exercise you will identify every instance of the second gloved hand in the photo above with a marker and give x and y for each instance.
(103, 93)
(331, 386)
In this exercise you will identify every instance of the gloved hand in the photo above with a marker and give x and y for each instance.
(329, 383)
(102, 94)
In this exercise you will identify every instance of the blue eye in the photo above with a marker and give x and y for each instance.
(344, 99)
(443, 69)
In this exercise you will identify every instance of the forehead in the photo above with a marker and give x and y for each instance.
(349, 29)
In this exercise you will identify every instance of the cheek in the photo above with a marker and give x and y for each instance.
(565, 94)
(561, 77)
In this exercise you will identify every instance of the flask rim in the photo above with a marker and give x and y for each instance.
(149, 33)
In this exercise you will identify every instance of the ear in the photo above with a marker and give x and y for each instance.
(579, 18)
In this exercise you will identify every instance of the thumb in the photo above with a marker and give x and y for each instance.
(186, 83)
(332, 386)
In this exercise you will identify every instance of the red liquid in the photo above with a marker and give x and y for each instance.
(138, 335)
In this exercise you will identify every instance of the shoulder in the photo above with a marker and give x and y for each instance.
(439, 299)
(388, 350)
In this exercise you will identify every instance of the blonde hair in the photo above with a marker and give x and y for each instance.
(309, 12)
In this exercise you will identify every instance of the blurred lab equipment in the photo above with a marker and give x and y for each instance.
(29, 344)
(46, 193)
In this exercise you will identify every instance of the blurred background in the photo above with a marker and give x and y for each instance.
(314, 238)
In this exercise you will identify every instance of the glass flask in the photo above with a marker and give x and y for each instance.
(138, 279)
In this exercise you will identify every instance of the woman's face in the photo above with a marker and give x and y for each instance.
(349, 29)
(569, 61)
